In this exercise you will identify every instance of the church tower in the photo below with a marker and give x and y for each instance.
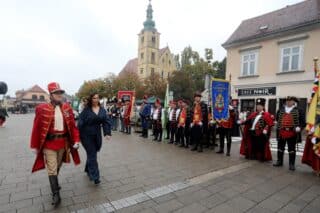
(148, 46)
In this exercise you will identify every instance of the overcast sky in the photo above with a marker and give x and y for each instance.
(71, 41)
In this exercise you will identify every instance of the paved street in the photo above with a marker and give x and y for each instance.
(143, 176)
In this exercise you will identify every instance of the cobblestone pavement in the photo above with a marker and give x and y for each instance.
(139, 175)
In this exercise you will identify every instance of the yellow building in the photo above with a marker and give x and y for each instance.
(271, 56)
(151, 59)
(31, 97)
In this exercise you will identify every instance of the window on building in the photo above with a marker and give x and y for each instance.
(291, 58)
(249, 62)
(141, 55)
(162, 74)
(141, 71)
(163, 61)
(142, 39)
(169, 62)
(168, 75)
(41, 98)
(153, 58)
(152, 71)
(153, 39)
(34, 97)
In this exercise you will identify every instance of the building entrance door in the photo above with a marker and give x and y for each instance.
(272, 106)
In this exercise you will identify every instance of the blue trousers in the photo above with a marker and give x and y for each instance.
(90, 144)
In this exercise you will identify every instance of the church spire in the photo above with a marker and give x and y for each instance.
(149, 24)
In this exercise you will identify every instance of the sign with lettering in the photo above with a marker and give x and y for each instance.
(262, 91)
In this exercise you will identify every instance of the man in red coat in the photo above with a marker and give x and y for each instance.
(54, 137)
(256, 134)
(127, 114)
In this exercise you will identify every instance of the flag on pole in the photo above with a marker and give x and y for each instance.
(313, 116)
(165, 107)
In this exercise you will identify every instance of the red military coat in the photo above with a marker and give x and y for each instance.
(246, 143)
(44, 116)
(127, 114)
(309, 156)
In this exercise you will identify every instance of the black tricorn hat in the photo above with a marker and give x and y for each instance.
(197, 94)
(292, 98)
(261, 101)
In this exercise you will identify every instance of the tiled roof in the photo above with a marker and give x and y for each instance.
(36, 88)
(163, 50)
(290, 17)
(130, 67)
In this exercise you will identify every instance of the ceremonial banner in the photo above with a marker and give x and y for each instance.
(220, 99)
(128, 95)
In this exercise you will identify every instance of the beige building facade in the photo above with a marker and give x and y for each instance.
(271, 56)
(151, 58)
(31, 97)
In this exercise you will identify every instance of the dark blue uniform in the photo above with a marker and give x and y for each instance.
(144, 115)
(90, 125)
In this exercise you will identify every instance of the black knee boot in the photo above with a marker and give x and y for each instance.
(53, 179)
(228, 148)
(145, 133)
(292, 160)
(155, 136)
(160, 136)
(221, 147)
(280, 159)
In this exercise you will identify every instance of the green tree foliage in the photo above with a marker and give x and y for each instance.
(220, 68)
(195, 68)
(182, 85)
(109, 86)
(92, 86)
(155, 85)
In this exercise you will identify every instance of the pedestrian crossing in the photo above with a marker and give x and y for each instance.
(274, 144)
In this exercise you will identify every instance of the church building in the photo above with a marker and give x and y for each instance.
(151, 59)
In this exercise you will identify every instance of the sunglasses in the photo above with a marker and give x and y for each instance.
(58, 93)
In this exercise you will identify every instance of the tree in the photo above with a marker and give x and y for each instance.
(128, 81)
(220, 68)
(155, 85)
(92, 86)
(177, 61)
(182, 85)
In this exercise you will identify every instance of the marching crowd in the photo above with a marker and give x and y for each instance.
(56, 136)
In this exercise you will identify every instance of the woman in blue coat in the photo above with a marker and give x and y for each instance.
(92, 120)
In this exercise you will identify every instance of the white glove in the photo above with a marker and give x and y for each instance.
(191, 125)
(239, 122)
(108, 137)
(34, 151)
(200, 123)
(311, 130)
(265, 132)
(298, 129)
(76, 145)
(314, 140)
